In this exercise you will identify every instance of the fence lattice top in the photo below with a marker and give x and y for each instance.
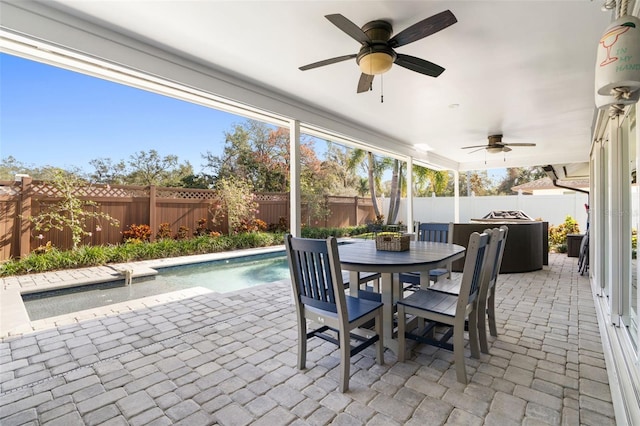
(44, 189)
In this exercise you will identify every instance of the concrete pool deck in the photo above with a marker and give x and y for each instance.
(230, 359)
(13, 315)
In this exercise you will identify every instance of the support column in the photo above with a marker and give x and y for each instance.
(153, 222)
(294, 178)
(23, 216)
(456, 196)
(409, 193)
(615, 221)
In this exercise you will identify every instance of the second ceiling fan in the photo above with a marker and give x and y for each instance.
(495, 145)
(377, 54)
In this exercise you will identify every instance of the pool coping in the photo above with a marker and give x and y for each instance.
(14, 319)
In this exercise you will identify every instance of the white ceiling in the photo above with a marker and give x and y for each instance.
(521, 68)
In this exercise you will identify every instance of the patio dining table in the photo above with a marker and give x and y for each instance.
(422, 257)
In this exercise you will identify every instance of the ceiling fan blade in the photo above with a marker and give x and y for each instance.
(476, 150)
(422, 29)
(364, 84)
(506, 149)
(351, 29)
(418, 65)
(327, 62)
(519, 144)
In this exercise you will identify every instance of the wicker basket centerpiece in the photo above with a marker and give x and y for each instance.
(392, 241)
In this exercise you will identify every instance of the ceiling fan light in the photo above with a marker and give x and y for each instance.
(376, 63)
(494, 149)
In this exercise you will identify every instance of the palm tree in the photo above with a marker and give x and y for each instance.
(358, 157)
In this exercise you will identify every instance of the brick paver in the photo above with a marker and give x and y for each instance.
(199, 358)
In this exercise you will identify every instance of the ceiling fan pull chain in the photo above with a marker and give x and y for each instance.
(381, 89)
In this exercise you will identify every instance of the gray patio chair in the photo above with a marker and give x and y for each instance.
(486, 295)
(319, 296)
(436, 232)
(365, 279)
(446, 309)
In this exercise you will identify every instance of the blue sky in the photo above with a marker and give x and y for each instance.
(51, 116)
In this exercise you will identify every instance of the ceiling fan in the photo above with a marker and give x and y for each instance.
(496, 145)
(377, 54)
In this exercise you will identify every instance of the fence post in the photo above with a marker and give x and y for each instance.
(355, 204)
(23, 216)
(326, 206)
(152, 212)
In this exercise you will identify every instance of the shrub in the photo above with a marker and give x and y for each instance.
(70, 212)
(201, 228)
(164, 231)
(183, 232)
(558, 234)
(85, 256)
(235, 199)
(136, 234)
(43, 248)
(334, 232)
(281, 226)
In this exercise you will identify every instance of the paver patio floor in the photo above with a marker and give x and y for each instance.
(230, 359)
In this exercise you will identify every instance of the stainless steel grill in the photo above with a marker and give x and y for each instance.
(505, 215)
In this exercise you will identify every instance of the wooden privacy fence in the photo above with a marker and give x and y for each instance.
(150, 205)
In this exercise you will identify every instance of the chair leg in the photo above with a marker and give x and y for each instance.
(491, 312)
(379, 343)
(345, 360)
(473, 333)
(482, 329)
(402, 325)
(302, 343)
(458, 350)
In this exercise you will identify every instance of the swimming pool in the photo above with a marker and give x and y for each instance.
(221, 276)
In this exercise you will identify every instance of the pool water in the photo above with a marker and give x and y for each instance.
(220, 276)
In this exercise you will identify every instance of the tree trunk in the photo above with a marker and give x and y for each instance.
(394, 196)
(372, 184)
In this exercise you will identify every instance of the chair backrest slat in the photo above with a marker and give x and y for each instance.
(473, 269)
(498, 262)
(436, 232)
(477, 271)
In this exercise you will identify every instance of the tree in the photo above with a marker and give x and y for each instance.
(475, 182)
(517, 176)
(256, 152)
(106, 171)
(236, 201)
(10, 166)
(362, 186)
(366, 160)
(428, 181)
(71, 211)
(143, 168)
(337, 158)
(149, 168)
(396, 191)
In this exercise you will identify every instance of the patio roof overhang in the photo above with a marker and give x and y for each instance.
(532, 82)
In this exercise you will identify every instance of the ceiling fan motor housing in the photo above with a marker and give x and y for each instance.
(376, 57)
(495, 140)
(378, 31)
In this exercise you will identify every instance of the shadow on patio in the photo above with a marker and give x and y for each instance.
(231, 360)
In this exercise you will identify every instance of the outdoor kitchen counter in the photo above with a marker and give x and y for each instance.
(526, 249)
